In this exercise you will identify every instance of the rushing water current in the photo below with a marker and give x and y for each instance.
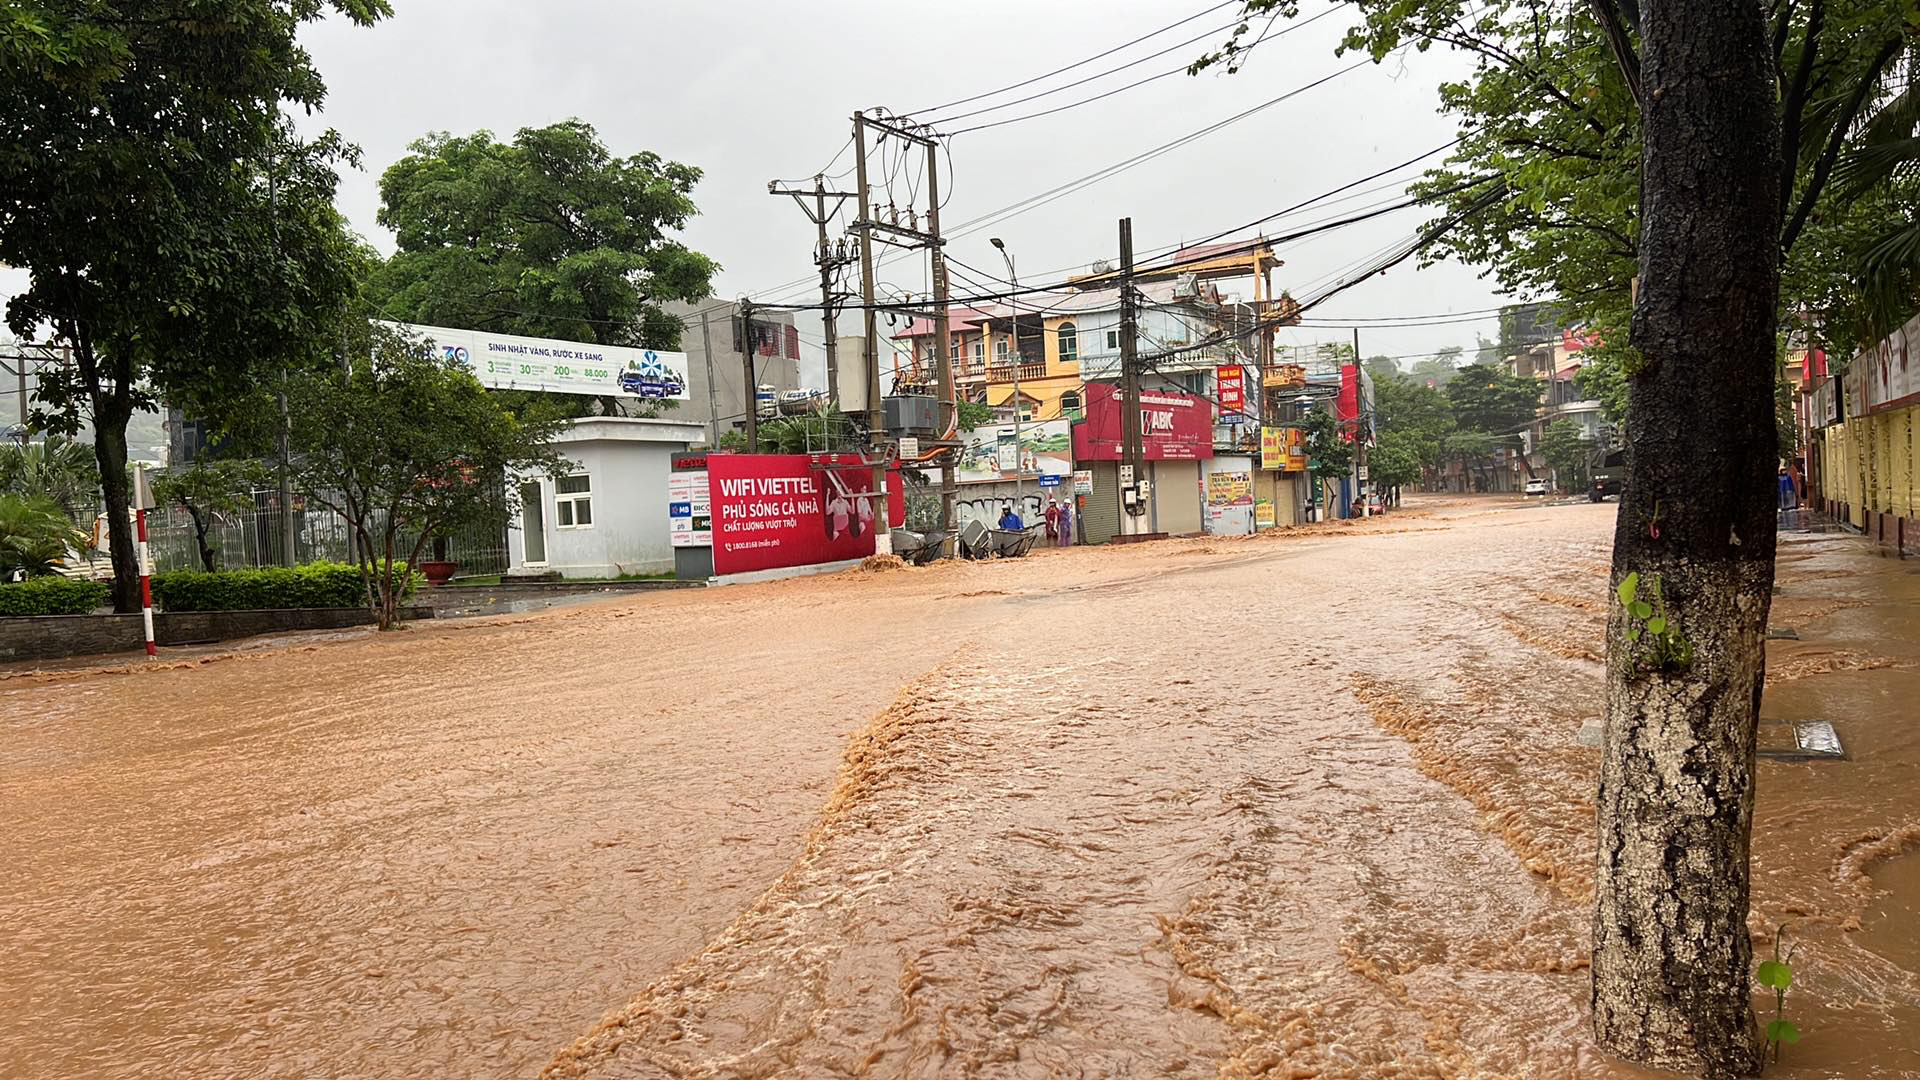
(1308, 805)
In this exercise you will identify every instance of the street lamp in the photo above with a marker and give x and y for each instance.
(1019, 451)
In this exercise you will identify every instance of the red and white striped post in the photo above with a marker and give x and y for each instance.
(143, 498)
(146, 583)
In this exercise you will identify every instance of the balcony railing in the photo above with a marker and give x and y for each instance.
(1003, 373)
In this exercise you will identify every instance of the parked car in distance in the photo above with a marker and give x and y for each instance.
(1538, 486)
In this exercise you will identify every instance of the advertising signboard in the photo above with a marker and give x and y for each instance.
(1230, 392)
(1892, 376)
(689, 509)
(1283, 448)
(778, 510)
(989, 453)
(1853, 387)
(1231, 488)
(546, 365)
(1174, 426)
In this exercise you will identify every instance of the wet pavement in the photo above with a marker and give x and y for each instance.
(1311, 804)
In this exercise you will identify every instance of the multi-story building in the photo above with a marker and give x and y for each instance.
(1544, 347)
(718, 393)
(1063, 340)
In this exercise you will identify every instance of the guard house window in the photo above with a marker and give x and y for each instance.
(1069, 343)
(573, 502)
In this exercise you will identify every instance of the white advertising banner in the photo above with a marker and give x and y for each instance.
(546, 365)
(689, 509)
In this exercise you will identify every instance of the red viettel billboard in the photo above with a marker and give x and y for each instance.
(778, 510)
(1174, 426)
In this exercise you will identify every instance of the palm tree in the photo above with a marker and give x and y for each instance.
(1886, 151)
(35, 536)
(58, 469)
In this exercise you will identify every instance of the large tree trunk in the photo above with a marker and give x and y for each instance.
(1671, 952)
(110, 452)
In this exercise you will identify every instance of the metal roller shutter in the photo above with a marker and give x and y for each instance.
(1178, 505)
(1100, 511)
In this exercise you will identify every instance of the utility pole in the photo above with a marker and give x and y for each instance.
(829, 260)
(752, 384)
(713, 406)
(1130, 441)
(1360, 429)
(829, 329)
(869, 346)
(943, 354)
(1013, 306)
(19, 370)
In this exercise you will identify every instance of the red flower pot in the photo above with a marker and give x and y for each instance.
(438, 572)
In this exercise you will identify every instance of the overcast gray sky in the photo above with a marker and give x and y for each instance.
(749, 91)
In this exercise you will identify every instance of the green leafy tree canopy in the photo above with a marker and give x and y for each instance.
(550, 235)
(407, 446)
(178, 236)
(1492, 400)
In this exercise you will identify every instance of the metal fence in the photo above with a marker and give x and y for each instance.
(254, 538)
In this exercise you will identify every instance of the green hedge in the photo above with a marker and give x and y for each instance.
(53, 596)
(315, 585)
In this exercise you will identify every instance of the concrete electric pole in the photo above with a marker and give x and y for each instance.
(1360, 430)
(1013, 305)
(751, 384)
(1130, 440)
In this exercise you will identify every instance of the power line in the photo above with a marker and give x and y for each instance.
(1098, 75)
(1034, 202)
(1182, 69)
(1070, 67)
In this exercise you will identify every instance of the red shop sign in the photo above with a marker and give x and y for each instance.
(779, 510)
(1174, 426)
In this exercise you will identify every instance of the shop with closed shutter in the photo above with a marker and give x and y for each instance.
(1176, 437)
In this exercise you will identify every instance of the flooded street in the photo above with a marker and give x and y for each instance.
(1312, 804)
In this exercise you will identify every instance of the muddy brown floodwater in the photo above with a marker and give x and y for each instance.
(1301, 805)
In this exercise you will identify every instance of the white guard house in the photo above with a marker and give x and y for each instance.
(604, 517)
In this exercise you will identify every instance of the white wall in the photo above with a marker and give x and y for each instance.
(629, 534)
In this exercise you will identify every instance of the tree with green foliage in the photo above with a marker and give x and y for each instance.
(1329, 454)
(1415, 418)
(35, 536)
(407, 446)
(1383, 368)
(208, 489)
(178, 236)
(550, 236)
(1492, 400)
(1433, 371)
(1392, 465)
(973, 414)
(57, 469)
(1568, 452)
